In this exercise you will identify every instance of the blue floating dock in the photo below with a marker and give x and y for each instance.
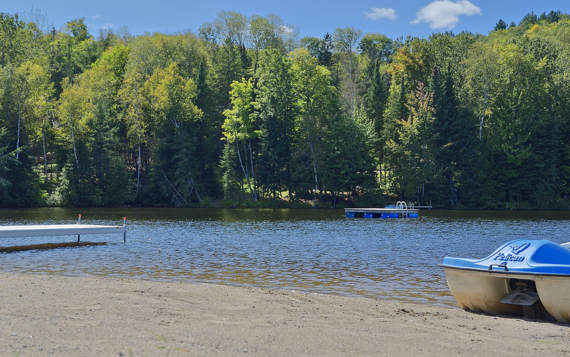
(385, 213)
(400, 210)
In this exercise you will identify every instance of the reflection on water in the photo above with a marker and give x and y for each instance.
(309, 250)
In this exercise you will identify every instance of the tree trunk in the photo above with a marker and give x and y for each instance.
(74, 148)
(482, 117)
(139, 162)
(242, 167)
(481, 121)
(44, 148)
(334, 198)
(314, 168)
(193, 188)
(18, 137)
(174, 190)
(252, 173)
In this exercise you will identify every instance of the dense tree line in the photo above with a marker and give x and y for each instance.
(245, 112)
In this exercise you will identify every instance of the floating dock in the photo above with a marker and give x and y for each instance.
(400, 210)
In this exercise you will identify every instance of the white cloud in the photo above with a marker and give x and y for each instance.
(445, 13)
(381, 13)
(107, 26)
(286, 29)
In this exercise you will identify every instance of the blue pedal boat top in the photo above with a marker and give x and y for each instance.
(522, 256)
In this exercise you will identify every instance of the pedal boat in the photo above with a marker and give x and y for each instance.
(520, 276)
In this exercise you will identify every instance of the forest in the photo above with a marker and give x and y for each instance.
(246, 113)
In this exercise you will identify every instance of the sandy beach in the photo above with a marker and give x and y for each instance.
(96, 316)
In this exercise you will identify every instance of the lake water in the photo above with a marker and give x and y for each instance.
(307, 250)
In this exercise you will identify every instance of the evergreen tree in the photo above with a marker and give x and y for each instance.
(227, 68)
(500, 25)
(275, 103)
(137, 120)
(375, 98)
(176, 159)
(529, 19)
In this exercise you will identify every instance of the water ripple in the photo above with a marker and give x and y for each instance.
(310, 250)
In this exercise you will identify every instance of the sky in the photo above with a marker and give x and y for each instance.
(308, 17)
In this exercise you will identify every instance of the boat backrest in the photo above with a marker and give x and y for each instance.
(566, 245)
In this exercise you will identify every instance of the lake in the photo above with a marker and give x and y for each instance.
(295, 249)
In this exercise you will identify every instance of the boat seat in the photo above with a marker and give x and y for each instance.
(566, 245)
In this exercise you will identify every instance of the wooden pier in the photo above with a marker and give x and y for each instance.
(400, 210)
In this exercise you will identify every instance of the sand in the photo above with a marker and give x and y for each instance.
(100, 316)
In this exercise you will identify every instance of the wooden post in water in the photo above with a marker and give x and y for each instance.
(79, 222)
(125, 230)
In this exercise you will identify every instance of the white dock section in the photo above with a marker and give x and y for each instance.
(45, 230)
(58, 230)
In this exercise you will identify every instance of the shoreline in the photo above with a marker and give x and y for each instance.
(94, 316)
(296, 206)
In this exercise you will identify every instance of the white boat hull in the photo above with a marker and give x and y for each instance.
(482, 291)
(554, 293)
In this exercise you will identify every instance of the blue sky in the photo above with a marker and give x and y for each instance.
(310, 18)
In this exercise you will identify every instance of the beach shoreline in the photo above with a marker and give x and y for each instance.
(102, 316)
